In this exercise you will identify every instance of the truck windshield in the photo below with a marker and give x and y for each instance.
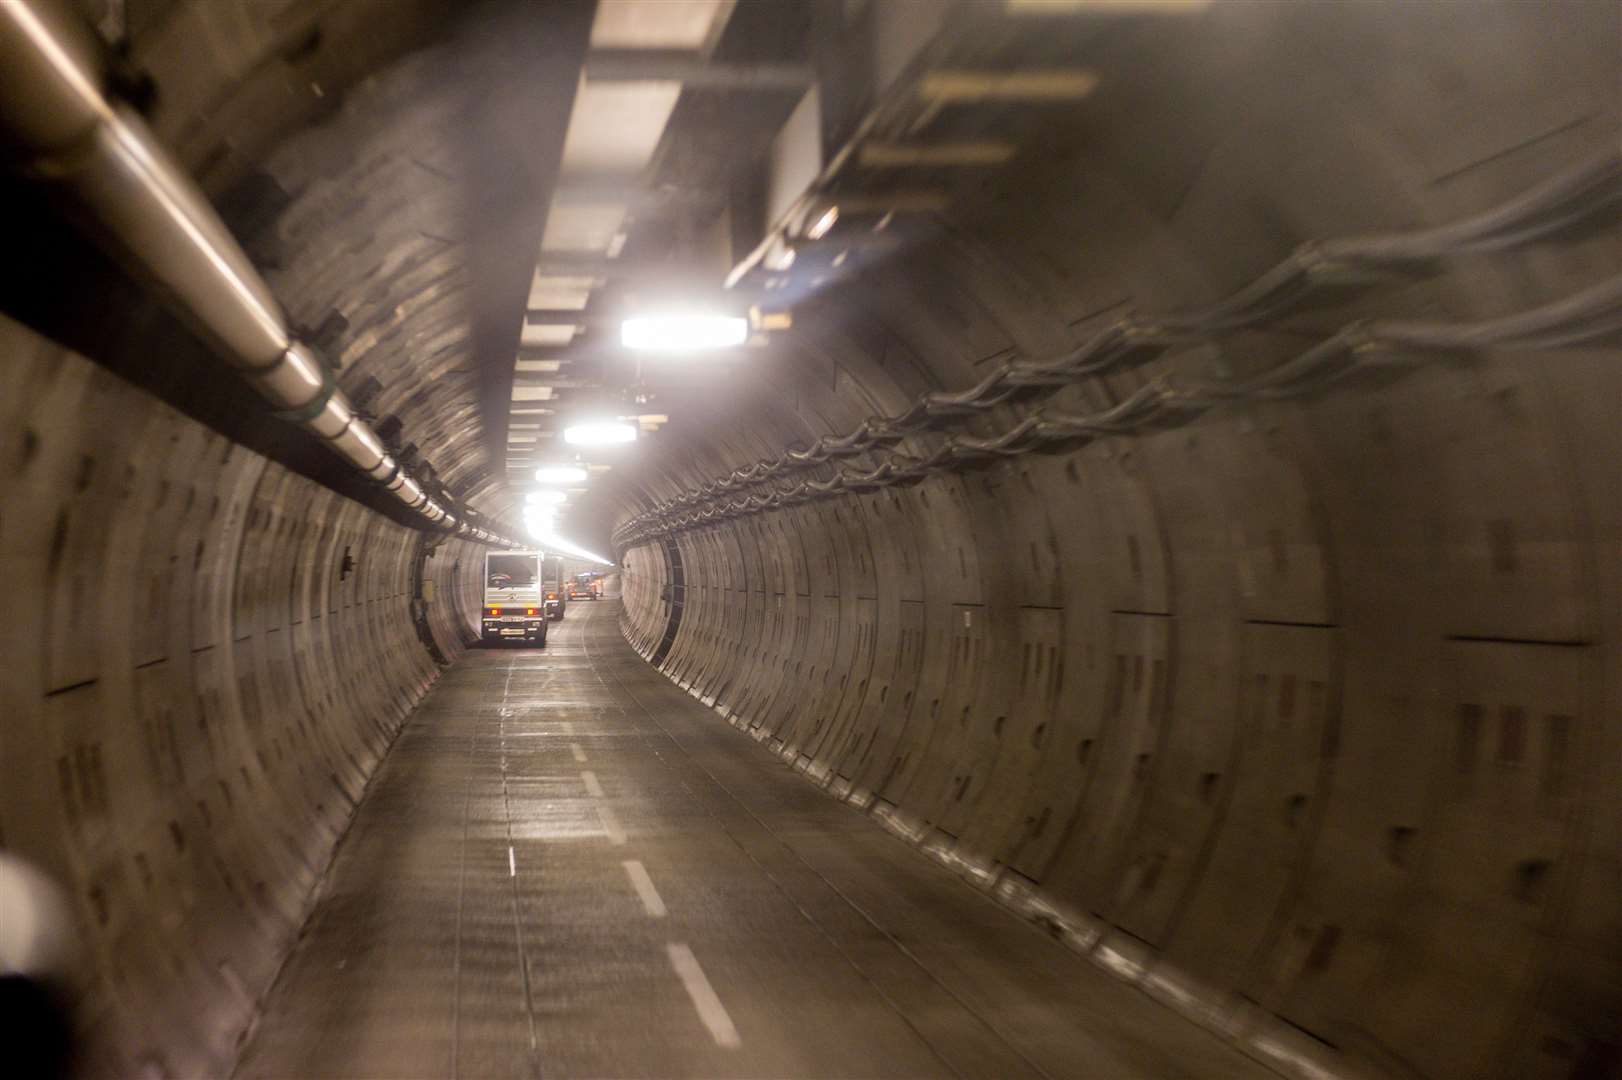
(506, 571)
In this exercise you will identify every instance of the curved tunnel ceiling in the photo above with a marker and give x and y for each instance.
(1305, 703)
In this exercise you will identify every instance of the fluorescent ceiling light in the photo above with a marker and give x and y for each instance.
(559, 474)
(684, 333)
(599, 433)
(820, 227)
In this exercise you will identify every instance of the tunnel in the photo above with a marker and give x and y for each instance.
(1112, 565)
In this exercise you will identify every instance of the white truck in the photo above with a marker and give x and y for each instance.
(513, 606)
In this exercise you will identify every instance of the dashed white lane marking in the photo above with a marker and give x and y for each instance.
(512, 862)
(593, 788)
(611, 825)
(579, 754)
(652, 902)
(710, 1009)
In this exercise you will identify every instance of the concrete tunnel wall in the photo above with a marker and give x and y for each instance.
(1312, 706)
(1314, 703)
(195, 693)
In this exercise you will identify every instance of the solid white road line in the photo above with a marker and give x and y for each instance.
(710, 1009)
(611, 825)
(593, 788)
(652, 902)
(579, 754)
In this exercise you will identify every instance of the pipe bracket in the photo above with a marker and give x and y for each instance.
(316, 405)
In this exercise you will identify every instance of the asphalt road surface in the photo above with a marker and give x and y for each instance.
(568, 867)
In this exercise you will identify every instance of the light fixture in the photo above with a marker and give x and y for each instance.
(684, 333)
(820, 227)
(599, 433)
(560, 474)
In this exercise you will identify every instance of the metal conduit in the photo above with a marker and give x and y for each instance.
(60, 124)
(1379, 348)
(1576, 195)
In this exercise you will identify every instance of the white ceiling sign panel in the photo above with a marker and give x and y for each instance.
(616, 126)
(551, 292)
(796, 157)
(582, 228)
(655, 24)
(547, 334)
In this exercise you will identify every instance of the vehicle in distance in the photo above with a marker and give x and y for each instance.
(513, 610)
(582, 590)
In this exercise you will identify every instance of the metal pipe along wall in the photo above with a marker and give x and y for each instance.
(104, 159)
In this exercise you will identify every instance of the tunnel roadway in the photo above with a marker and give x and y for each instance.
(566, 866)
